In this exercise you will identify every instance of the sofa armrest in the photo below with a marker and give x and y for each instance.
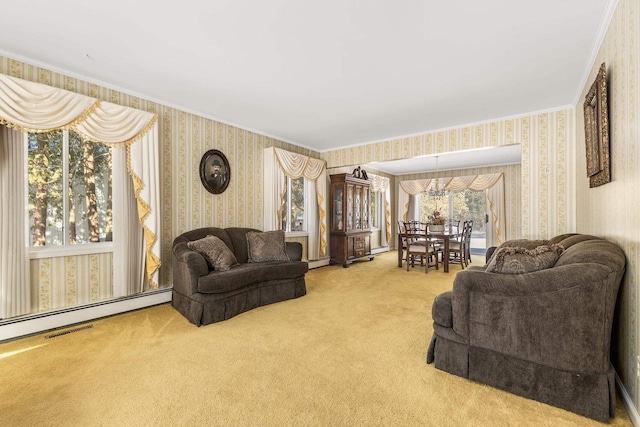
(294, 250)
(188, 266)
(559, 317)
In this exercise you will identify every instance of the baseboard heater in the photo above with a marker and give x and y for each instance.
(40, 322)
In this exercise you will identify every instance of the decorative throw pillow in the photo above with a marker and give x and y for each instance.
(518, 260)
(215, 251)
(517, 243)
(266, 246)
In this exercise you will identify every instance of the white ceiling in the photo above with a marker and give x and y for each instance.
(322, 74)
(475, 158)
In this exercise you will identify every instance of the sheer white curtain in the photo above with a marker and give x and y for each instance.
(29, 106)
(128, 238)
(15, 291)
(145, 174)
(279, 163)
(274, 189)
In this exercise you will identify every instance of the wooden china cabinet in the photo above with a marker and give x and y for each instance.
(350, 219)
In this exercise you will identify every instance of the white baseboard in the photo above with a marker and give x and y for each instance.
(379, 250)
(318, 263)
(628, 403)
(37, 323)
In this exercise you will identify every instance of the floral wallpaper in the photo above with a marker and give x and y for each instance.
(612, 210)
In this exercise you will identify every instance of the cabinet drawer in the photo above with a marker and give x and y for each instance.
(360, 252)
(358, 245)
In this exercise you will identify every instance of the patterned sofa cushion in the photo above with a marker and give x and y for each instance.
(518, 260)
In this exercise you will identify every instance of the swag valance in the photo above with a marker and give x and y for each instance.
(34, 107)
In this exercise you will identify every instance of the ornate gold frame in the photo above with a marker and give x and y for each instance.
(596, 131)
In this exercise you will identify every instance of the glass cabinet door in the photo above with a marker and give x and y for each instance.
(365, 208)
(337, 207)
(350, 196)
(357, 208)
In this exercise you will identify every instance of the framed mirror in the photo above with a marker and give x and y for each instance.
(596, 131)
(215, 172)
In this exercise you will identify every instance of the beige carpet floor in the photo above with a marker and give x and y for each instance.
(349, 353)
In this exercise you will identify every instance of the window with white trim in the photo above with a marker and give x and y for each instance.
(70, 190)
(377, 209)
(293, 214)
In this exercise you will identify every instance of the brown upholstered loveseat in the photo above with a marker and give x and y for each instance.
(204, 295)
(544, 335)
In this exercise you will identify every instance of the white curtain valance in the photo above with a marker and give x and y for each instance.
(296, 165)
(113, 124)
(379, 183)
(415, 186)
(473, 182)
(34, 107)
(458, 183)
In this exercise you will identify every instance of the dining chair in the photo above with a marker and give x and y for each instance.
(467, 242)
(453, 225)
(458, 248)
(402, 232)
(418, 245)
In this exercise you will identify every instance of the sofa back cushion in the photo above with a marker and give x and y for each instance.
(593, 250)
(517, 243)
(238, 237)
(266, 246)
(519, 260)
(215, 252)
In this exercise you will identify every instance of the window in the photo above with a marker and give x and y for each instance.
(292, 209)
(462, 205)
(377, 209)
(69, 190)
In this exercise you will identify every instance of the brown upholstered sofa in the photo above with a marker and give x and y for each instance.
(544, 335)
(204, 295)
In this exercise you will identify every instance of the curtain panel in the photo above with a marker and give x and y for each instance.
(381, 184)
(34, 107)
(15, 289)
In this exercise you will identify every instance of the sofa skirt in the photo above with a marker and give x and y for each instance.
(589, 394)
(203, 309)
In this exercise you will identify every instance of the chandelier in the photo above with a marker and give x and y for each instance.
(436, 190)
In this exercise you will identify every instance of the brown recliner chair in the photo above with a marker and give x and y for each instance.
(544, 335)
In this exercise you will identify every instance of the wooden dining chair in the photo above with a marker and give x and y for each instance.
(402, 232)
(453, 225)
(467, 242)
(458, 248)
(418, 245)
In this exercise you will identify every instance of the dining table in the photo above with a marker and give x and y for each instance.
(444, 236)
